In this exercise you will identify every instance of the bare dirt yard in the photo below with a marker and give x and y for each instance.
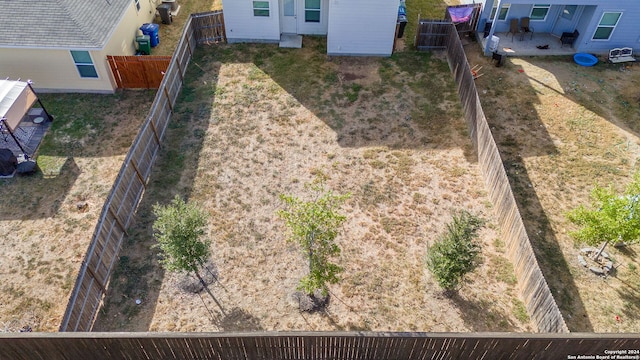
(254, 122)
(561, 129)
(43, 233)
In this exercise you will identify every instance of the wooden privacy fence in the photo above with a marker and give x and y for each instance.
(209, 27)
(118, 210)
(533, 288)
(314, 346)
(432, 34)
(138, 72)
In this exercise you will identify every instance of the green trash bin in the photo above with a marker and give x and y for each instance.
(144, 44)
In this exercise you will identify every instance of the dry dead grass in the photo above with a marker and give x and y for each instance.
(561, 129)
(43, 235)
(255, 122)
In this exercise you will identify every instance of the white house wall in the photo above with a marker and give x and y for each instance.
(242, 26)
(361, 27)
(308, 28)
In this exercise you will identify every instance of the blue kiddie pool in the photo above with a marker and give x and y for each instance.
(585, 59)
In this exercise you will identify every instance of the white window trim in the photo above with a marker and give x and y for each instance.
(494, 11)
(310, 9)
(540, 6)
(92, 64)
(613, 28)
(496, 15)
(253, 9)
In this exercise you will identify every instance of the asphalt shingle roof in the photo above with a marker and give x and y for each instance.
(59, 23)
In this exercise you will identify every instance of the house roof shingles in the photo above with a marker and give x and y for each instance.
(59, 23)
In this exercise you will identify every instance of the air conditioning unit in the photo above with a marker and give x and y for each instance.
(173, 3)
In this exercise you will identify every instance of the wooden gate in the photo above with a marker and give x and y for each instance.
(209, 27)
(432, 35)
(138, 72)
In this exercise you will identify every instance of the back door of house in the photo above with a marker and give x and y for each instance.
(288, 19)
(567, 19)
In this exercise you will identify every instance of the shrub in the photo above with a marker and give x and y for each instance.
(455, 253)
(314, 225)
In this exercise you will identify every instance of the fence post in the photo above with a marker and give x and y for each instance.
(137, 170)
(76, 309)
(535, 292)
(117, 219)
(166, 93)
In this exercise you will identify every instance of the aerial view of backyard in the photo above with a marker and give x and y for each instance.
(254, 122)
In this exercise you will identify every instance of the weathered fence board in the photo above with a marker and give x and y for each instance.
(117, 212)
(312, 346)
(533, 288)
(209, 27)
(432, 34)
(138, 72)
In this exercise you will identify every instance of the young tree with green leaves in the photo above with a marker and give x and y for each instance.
(314, 225)
(180, 228)
(610, 216)
(455, 253)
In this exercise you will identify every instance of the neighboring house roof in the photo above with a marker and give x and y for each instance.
(59, 23)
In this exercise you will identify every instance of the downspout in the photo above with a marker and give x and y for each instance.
(487, 52)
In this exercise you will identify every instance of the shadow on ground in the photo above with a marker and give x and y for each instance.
(85, 126)
(511, 109)
(139, 274)
(36, 196)
(421, 111)
(479, 316)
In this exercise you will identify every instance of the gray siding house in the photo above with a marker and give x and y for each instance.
(602, 24)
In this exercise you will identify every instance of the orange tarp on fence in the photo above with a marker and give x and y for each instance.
(138, 72)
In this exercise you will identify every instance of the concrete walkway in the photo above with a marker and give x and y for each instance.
(291, 41)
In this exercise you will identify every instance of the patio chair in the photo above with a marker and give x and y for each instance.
(525, 27)
(569, 38)
(513, 28)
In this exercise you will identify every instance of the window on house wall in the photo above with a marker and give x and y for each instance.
(569, 11)
(502, 15)
(83, 62)
(289, 8)
(137, 2)
(607, 24)
(260, 8)
(312, 11)
(539, 11)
